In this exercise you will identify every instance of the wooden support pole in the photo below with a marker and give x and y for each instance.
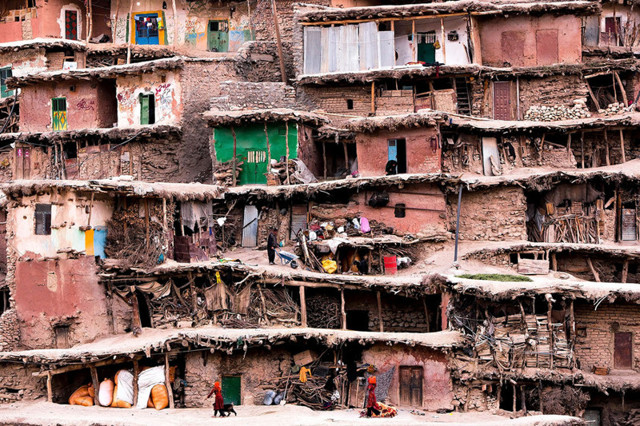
(278, 40)
(303, 307)
(554, 262)
(572, 323)
(373, 97)
(606, 148)
(90, 209)
(523, 400)
(622, 91)
(266, 136)
(624, 158)
(324, 159)
(625, 271)
(49, 387)
(89, 21)
(96, 385)
(596, 276)
(136, 373)
(550, 329)
(167, 382)
(346, 156)
(515, 407)
(414, 41)
(442, 44)
(426, 314)
(130, 33)
(569, 145)
(593, 97)
(146, 219)
(194, 296)
(286, 142)
(582, 148)
(235, 145)
(379, 296)
(343, 311)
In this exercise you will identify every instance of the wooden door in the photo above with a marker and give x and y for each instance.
(231, 390)
(489, 153)
(70, 24)
(411, 386)
(546, 47)
(426, 48)
(250, 227)
(622, 350)
(628, 224)
(218, 36)
(502, 100)
(23, 163)
(298, 219)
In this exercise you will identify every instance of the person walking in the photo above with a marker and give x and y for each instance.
(272, 243)
(218, 402)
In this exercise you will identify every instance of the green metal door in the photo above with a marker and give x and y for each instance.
(426, 48)
(147, 109)
(231, 390)
(59, 113)
(218, 36)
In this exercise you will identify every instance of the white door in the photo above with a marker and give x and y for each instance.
(489, 152)
(250, 227)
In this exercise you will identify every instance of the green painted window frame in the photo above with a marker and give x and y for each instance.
(5, 73)
(59, 105)
(148, 114)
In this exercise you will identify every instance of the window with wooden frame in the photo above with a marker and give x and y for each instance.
(147, 109)
(5, 73)
(43, 219)
(59, 113)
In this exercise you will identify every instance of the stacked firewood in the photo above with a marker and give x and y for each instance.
(279, 170)
(323, 311)
(223, 173)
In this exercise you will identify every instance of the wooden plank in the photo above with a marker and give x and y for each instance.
(625, 271)
(593, 97)
(167, 382)
(303, 307)
(96, 384)
(324, 159)
(235, 144)
(582, 149)
(379, 296)
(596, 276)
(278, 41)
(622, 91)
(426, 314)
(286, 142)
(373, 97)
(266, 135)
(533, 267)
(606, 147)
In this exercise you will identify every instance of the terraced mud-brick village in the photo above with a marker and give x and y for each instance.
(329, 209)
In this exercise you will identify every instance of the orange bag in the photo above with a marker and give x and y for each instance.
(82, 396)
(116, 402)
(160, 397)
(150, 403)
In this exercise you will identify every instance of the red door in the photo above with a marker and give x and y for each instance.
(622, 351)
(501, 100)
(71, 25)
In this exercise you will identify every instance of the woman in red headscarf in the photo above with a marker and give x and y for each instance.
(372, 404)
(218, 404)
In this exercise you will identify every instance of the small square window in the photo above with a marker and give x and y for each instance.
(43, 219)
(400, 210)
(349, 103)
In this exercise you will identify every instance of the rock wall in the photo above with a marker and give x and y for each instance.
(17, 383)
(10, 330)
(249, 95)
(496, 214)
(202, 369)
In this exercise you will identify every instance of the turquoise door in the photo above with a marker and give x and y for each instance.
(231, 390)
(147, 29)
(218, 36)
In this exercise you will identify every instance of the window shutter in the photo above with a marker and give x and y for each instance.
(144, 109)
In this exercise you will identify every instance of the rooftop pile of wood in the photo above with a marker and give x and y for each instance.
(228, 118)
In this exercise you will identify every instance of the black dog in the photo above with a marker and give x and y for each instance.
(226, 411)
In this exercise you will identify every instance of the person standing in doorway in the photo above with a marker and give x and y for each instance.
(272, 243)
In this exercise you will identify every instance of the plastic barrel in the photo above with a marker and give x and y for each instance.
(390, 265)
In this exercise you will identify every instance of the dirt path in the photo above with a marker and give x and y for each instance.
(43, 413)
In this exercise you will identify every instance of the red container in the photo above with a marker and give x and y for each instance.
(390, 265)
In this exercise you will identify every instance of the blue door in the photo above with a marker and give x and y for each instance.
(147, 28)
(99, 241)
(393, 150)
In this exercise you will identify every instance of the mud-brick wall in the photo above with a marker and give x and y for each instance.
(496, 214)
(399, 314)
(551, 91)
(334, 99)
(596, 333)
(17, 382)
(257, 365)
(437, 386)
(200, 82)
(391, 102)
(263, 95)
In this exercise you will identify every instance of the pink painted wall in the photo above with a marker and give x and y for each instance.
(89, 106)
(436, 392)
(59, 290)
(513, 40)
(10, 31)
(421, 197)
(373, 154)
